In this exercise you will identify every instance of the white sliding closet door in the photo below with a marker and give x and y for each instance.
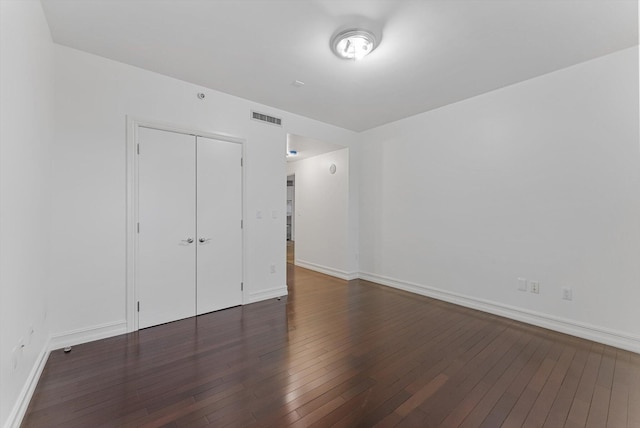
(219, 213)
(166, 264)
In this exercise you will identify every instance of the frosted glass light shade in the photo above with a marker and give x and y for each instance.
(353, 44)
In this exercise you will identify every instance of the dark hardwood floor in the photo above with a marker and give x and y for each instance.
(344, 354)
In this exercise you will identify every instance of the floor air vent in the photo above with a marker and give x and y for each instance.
(266, 118)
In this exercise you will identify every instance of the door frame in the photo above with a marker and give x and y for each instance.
(132, 191)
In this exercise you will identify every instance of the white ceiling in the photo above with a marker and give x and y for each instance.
(432, 53)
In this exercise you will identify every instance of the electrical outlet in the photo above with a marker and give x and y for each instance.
(567, 293)
(522, 284)
(535, 287)
(273, 268)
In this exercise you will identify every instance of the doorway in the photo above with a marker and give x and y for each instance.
(318, 178)
(291, 218)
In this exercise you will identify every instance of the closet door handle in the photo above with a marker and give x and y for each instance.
(203, 240)
(188, 240)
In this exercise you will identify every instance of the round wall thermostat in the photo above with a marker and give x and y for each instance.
(332, 168)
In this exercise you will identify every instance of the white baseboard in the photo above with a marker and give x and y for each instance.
(271, 293)
(22, 403)
(327, 270)
(88, 334)
(603, 335)
(57, 341)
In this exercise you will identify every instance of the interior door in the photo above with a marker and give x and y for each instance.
(219, 211)
(166, 263)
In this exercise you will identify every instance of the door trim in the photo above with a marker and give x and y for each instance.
(133, 125)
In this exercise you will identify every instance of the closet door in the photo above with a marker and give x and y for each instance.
(166, 263)
(219, 212)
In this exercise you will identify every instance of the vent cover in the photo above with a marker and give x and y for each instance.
(266, 118)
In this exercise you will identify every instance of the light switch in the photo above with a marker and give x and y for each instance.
(522, 284)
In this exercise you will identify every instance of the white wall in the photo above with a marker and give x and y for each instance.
(538, 180)
(322, 213)
(26, 88)
(94, 95)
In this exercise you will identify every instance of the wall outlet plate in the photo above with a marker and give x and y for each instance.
(567, 293)
(535, 287)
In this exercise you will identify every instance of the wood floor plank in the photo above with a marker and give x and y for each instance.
(343, 354)
(619, 402)
(462, 382)
(540, 410)
(633, 407)
(559, 411)
(476, 405)
(420, 396)
(599, 409)
(507, 401)
(580, 406)
(527, 397)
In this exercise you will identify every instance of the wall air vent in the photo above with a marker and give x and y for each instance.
(266, 118)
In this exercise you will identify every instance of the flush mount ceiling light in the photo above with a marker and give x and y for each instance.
(353, 44)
